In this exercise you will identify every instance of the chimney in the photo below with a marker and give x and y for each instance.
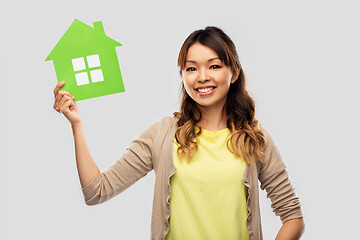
(98, 26)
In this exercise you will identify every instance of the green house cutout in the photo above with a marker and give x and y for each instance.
(85, 58)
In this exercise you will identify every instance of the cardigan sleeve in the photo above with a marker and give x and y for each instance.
(274, 178)
(134, 164)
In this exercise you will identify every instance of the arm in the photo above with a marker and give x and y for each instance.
(98, 187)
(274, 179)
(134, 164)
(87, 169)
(291, 230)
(64, 103)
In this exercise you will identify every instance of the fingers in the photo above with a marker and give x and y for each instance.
(64, 99)
(57, 90)
(59, 95)
(58, 86)
(63, 105)
(65, 108)
(61, 98)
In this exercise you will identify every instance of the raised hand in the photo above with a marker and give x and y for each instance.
(64, 103)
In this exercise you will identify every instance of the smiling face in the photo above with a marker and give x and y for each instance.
(206, 78)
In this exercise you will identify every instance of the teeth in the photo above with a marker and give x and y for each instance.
(203, 90)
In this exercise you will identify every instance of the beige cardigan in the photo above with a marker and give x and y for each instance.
(153, 149)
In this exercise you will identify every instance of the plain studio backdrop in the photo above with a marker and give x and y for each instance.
(301, 60)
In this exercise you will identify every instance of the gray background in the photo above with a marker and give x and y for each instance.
(302, 64)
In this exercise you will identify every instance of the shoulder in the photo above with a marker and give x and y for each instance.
(155, 131)
(164, 124)
(271, 153)
(264, 130)
(168, 120)
(270, 141)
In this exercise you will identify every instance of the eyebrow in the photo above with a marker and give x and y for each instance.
(211, 59)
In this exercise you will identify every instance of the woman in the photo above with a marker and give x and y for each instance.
(208, 157)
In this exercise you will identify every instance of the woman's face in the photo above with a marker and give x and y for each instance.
(206, 78)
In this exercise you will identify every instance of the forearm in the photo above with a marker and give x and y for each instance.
(291, 230)
(87, 168)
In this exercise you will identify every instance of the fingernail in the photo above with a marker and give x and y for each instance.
(73, 97)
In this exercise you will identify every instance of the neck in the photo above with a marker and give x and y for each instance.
(212, 119)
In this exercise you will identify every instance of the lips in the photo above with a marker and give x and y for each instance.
(206, 90)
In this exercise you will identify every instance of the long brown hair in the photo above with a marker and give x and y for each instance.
(246, 136)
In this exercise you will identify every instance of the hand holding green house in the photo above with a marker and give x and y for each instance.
(85, 58)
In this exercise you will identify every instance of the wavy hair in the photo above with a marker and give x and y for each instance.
(246, 136)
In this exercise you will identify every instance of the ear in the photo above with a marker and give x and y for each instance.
(235, 75)
(233, 79)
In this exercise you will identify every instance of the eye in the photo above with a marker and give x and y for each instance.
(215, 67)
(190, 69)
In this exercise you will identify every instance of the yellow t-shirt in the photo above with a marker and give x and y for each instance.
(208, 197)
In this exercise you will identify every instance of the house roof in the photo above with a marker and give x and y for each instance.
(81, 39)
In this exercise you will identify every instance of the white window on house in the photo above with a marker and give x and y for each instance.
(87, 69)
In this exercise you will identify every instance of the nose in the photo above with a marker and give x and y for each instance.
(203, 76)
